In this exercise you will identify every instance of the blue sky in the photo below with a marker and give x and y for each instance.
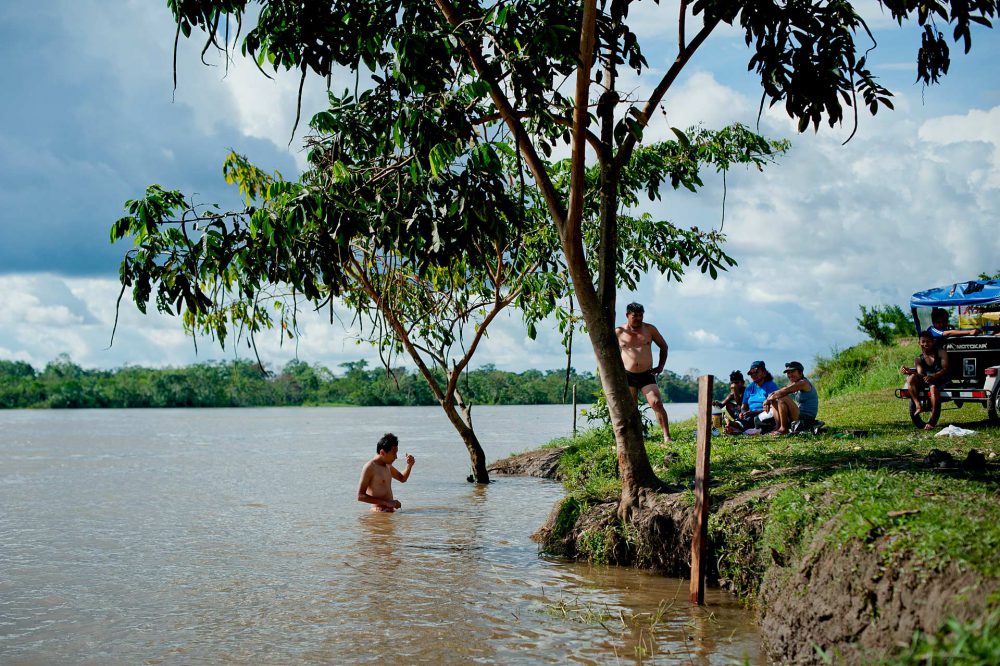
(91, 119)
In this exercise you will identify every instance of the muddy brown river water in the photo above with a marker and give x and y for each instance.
(233, 536)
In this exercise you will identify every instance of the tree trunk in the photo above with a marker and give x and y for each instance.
(607, 250)
(477, 457)
(598, 304)
(636, 472)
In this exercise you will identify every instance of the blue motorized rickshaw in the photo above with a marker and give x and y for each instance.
(973, 360)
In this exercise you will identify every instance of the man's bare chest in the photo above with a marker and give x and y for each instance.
(634, 339)
(380, 476)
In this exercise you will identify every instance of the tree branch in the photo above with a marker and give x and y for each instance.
(509, 116)
(390, 316)
(581, 117)
(480, 331)
(625, 152)
(592, 138)
(680, 26)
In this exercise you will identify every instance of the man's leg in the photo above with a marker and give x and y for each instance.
(913, 385)
(652, 393)
(786, 410)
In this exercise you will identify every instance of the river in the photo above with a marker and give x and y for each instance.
(208, 536)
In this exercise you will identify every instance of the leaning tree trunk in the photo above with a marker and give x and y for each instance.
(446, 397)
(476, 454)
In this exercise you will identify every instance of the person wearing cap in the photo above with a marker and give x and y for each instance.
(635, 342)
(761, 385)
(798, 401)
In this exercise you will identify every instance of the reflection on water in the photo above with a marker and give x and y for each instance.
(182, 536)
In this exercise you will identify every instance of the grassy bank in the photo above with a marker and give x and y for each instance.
(867, 483)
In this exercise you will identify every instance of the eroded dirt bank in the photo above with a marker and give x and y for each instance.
(855, 602)
(542, 463)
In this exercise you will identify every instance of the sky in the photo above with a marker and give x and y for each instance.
(91, 119)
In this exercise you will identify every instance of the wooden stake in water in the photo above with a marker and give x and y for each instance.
(701, 473)
(574, 410)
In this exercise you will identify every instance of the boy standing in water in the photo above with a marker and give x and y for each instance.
(375, 487)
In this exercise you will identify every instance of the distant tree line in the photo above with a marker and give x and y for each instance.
(240, 383)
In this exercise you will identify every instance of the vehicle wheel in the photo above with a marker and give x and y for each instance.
(992, 408)
(920, 420)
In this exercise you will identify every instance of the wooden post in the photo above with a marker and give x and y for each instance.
(574, 410)
(701, 474)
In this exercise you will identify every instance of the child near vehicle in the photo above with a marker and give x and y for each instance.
(930, 371)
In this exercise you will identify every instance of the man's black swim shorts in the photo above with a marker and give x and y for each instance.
(640, 379)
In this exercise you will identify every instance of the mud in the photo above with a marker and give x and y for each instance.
(860, 601)
(541, 463)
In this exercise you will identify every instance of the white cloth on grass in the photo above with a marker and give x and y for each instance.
(954, 431)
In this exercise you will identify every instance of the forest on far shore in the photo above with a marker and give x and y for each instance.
(63, 384)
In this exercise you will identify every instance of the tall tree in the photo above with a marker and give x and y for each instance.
(448, 80)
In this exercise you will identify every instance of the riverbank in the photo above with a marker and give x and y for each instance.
(873, 542)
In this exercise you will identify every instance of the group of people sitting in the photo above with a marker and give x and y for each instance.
(762, 407)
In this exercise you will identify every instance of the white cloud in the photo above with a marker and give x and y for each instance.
(216, 95)
(702, 337)
(27, 302)
(266, 108)
(702, 99)
(965, 138)
(11, 355)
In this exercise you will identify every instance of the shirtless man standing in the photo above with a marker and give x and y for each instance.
(376, 476)
(635, 339)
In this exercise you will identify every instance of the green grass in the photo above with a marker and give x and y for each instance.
(866, 367)
(569, 512)
(857, 480)
(589, 465)
(955, 644)
(935, 521)
(742, 463)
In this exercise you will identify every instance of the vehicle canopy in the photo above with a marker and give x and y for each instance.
(977, 302)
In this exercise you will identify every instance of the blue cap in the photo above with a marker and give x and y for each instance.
(757, 364)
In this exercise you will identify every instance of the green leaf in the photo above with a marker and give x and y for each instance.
(339, 171)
